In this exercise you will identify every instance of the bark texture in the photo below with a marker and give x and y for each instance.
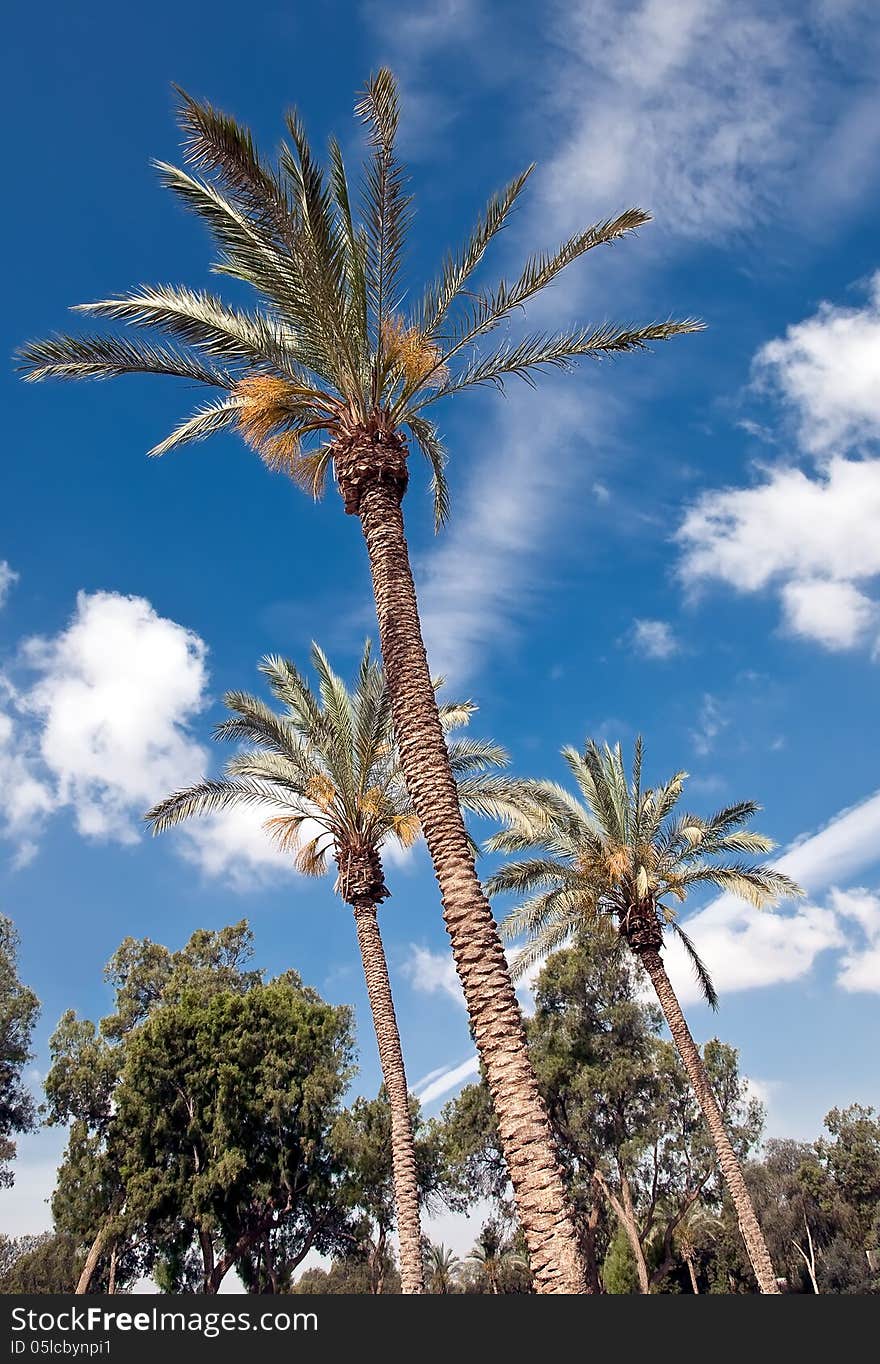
(91, 1263)
(403, 1154)
(752, 1235)
(524, 1126)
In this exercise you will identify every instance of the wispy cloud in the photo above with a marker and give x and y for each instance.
(654, 638)
(449, 1080)
(706, 112)
(8, 579)
(489, 573)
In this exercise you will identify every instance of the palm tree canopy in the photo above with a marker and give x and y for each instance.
(620, 850)
(330, 349)
(327, 765)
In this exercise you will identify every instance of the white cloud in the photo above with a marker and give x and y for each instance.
(481, 582)
(234, 845)
(115, 694)
(746, 948)
(827, 370)
(711, 720)
(833, 614)
(449, 1080)
(433, 973)
(26, 799)
(860, 965)
(711, 114)
(654, 638)
(8, 579)
(104, 728)
(812, 538)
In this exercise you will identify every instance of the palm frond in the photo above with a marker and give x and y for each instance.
(542, 350)
(387, 207)
(215, 142)
(201, 319)
(204, 422)
(206, 798)
(432, 448)
(457, 270)
(105, 357)
(760, 886)
(701, 971)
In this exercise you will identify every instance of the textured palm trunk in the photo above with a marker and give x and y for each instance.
(689, 1261)
(523, 1123)
(403, 1152)
(752, 1235)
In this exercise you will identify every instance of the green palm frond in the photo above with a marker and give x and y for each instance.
(701, 971)
(431, 447)
(106, 357)
(761, 886)
(216, 143)
(542, 350)
(528, 875)
(354, 247)
(322, 258)
(207, 797)
(203, 320)
(457, 270)
(470, 756)
(617, 855)
(205, 421)
(387, 207)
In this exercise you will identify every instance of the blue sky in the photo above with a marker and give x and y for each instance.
(682, 544)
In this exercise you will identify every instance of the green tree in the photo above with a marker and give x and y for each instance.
(327, 769)
(329, 370)
(202, 1112)
(49, 1263)
(633, 1141)
(19, 1010)
(619, 855)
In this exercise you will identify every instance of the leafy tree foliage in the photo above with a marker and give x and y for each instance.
(19, 1008)
(200, 1113)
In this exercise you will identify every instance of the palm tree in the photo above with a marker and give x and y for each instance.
(329, 370)
(328, 767)
(441, 1267)
(693, 1231)
(490, 1254)
(621, 855)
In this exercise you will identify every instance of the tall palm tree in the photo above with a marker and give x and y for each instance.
(622, 856)
(330, 370)
(327, 767)
(441, 1267)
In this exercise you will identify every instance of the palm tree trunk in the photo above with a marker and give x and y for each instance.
(752, 1235)
(91, 1263)
(689, 1261)
(403, 1152)
(524, 1126)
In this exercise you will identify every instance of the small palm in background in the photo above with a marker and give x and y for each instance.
(326, 766)
(621, 854)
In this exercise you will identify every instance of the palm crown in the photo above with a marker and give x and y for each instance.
(621, 852)
(330, 351)
(328, 766)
